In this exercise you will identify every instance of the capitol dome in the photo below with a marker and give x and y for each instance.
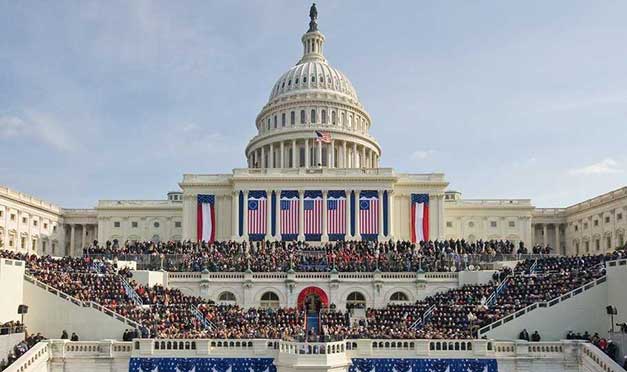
(313, 117)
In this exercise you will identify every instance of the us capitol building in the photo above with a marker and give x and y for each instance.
(313, 142)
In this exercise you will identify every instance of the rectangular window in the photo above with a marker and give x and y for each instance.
(607, 219)
(619, 216)
(116, 224)
(12, 217)
(283, 119)
(512, 224)
(54, 228)
(449, 224)
(292, 118)
(1, 213)
(177, 224)
(576, 228)
(11, 243)
(596, 222)
(34, 222)
(134, 224)
(23, 219)
(45, 225)
(492, 223)
(34, 244)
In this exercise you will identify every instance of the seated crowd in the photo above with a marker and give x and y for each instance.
(343, 256)
(455, 313)
(10, 327)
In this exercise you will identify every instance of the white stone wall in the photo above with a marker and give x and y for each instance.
(29, 225)
(376, 288)
(11, 289)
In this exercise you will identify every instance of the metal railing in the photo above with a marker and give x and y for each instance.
(201, 318)
(420, 322)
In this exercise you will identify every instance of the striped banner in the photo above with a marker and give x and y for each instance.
(312, 215)
(257, 214)
(289, 215)
(206, 218)
(369, 214)
(336, 214)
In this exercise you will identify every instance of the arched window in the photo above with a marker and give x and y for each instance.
(269, 300)
(333, 117)
(268, 124)
(302, 116)
(399, 297)
(313, 116)
(292, 118)
(355, 299)
(227, 297)
(324, 116)
(275, 121)
(283, 119)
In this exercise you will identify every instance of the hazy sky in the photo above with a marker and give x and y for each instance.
(117, 99)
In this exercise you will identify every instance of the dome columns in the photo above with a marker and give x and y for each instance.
(309, 153)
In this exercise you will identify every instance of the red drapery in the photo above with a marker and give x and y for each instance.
(315, 291)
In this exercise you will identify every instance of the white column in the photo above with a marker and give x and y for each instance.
(319, 163)
(278, 215)
(263, 163)
(344, 162)
(325, 231)
(557, 238)
(355, 155)
(269, 215)
(72, 238)
(294, 164)
(544, 235)
(332, 154)
(357, 227)
(234, 219)
(381, 236)
(372, 162)
(271, 156)
(282, 157)
(390, 214)
(362, 160)
(306, 153)
(301, 215)
(440, 234)
(83, 236)
(245, 210)
(348, 212)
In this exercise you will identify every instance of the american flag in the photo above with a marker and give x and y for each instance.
(324, 137)
(257, 213)
(312, 205)
(369, 213)
(336, 212)
(289, 213)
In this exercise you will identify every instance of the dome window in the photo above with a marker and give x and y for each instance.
(323, 115)
(302, 116)
(289, 82)
(333, 117)
(322, 79)
(283, 119)
(304, 79)
(313, 78)
(292, 118)
(275, 122)
(268, 124)
(296, 82)
(283, 85)
(313, 116)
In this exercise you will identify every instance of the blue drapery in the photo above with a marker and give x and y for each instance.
(429, 365)
(266, 365)
(201, 365)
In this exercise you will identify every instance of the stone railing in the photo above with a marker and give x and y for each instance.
(544, 304)
(597, 361)
(32, 360)
(81, 303)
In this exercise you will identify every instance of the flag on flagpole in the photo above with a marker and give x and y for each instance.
(324, 137)
(419, 217)
(206, 218)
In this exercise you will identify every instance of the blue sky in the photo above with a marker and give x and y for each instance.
(117, 99)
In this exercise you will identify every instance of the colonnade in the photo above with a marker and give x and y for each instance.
(350, 235)
(86, 234)
(336, 154)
